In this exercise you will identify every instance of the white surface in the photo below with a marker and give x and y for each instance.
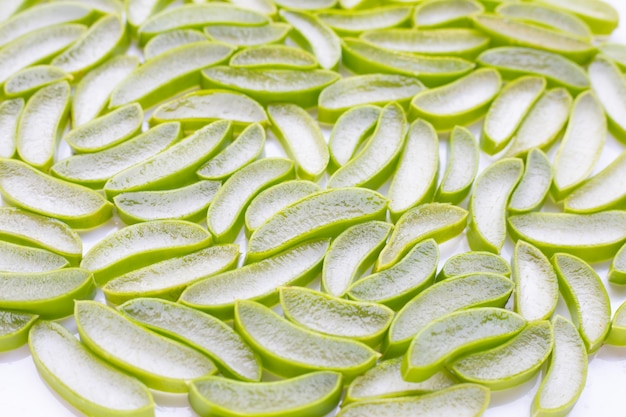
(24, 394)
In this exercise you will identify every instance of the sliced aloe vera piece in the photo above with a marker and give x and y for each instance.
(565, 379)
(460, 102)
(601, 17)
(363, 57)
(543, 123)
(474, 262)
(439, 221)
(351, 22)
(83, 379)
(242, 36)
(536, 284)
(94, 169)
(138, 11)
(26, 82)
(351, 253)
(12, 7)
(534, 186)
(511, 363)
(546, 16)
(617, 270)
(586, 298)
(266, 7)
(395, 286)
(158, 362)
(175, 166)
(592, 237)
(349, 131)
(271, 85)
(372, 166)
(385, 381)
(259, 281)
(614, 51)
(49, 294)
(273, 56)
(443, 13)
(170, 40)
(272, 200)
(316, 35)
(309, 5)
(461, 166)
(609, 85)
(289, 350)
(27, 188)
(335, 316)
(17, 258)
(317, 393)
(10, 112)
(463, 43)
(513, 62)
(201, 331)
(301, 137)
(455, 293)
(488, 204)
(326, 213)
(508, 110)
(617, 335)
(167, 279)
(140, 245)
(377, 89)
(101, 6)
(197, 109)
(41, 123)
(447, 338)
(197, 16)
(14, 328)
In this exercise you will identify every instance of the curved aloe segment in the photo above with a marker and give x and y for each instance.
(301, 137)
(158, 362)
(460, 102)
(170, 40)
(41, 123)
(50, 294)
(385, 381)
(349, 131)
(12, 7)
(376, 89)
(353, 22)
(474, 262)
(461, 166)
(508, 110)
(18, 258)
(601, 17)
(27, 188)
(543, 15)
(444, 13)
(456, 293)
(510, 364)
(608, 84)
(371, 167)
(317, 393)
(289, 350)
(29, 80)
(142, 244)
(201, 331)
(174, 166)
(197, 16)
(513, 62)
(266, 7)
(614, 51)
(273, 56)
(225, 214)
(10, 112)
(617, 335)
(259, 281)
(83, 379)
(335, 316)
(566, 375)
(93, 91)
(592, 237)
(326, 213)
(14, 328)
(200, 108)
(138, 11)
(101, 6)
(351, 254)
(185, 203)
(447, 338)
(439, 221)
(271, 85)
(534, 186)
(167, 279)
(310, 5)
(242, 36)
(586, 298)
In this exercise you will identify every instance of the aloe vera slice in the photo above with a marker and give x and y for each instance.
(14, 328)
(167, 279)
(302, 139)
(461, 167)
(311, 5)
(534, 186)
(101, 6)
(29, 80)
(349, 131)
(266, 7)
(615, 52)
(49, 294)
(351, 253)
(12, 7)
(74, 372)
(326, 213)
(10, 112)
(474, 262)
(159, 362)
(443, 13)
(316, 393)
(138, 11)
(436, 220)
(259, 281)
(174, 166)
(242, 36)
(27, 188)
(608, 83)
(617, 335)
(17, 258)
(201, 331)
(543, 15)
(617, 270)
(353, 22)
(170, 40)
(42, 121)
(273, 56)
(601, 17)
(376, 89)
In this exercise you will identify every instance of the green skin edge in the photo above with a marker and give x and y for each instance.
(18, 338)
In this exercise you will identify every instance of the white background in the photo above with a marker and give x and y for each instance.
(24, 394)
